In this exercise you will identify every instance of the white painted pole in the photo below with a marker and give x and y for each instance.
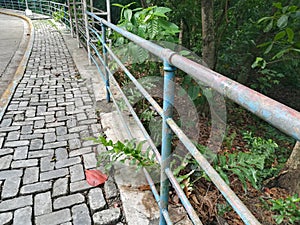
(86, 22)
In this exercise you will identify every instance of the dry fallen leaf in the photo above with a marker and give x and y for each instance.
(95, 177)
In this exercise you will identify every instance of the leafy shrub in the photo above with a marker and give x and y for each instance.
(288, 209)
(122, 152)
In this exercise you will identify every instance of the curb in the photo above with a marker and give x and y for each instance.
(8, 93)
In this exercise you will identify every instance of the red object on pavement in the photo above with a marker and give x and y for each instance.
(95, 177)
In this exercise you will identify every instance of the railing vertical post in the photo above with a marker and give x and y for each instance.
(103, 29)
(70, 18)
(92, 11)
(86, 22)
(49, 9)
(76, 23)
(168, 102)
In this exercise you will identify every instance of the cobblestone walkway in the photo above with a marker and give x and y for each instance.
(43, 151)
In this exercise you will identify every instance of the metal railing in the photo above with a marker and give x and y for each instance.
(85, 24)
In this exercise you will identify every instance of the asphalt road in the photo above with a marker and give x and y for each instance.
(12, 47)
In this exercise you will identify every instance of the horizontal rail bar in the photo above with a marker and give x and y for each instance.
(279, 115)
(229, 195)
(156, 196)
(187, 205)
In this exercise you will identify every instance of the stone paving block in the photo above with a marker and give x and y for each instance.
(56, 109)
(96, 199)
(70, 123)
(41, 109)
(20, 153)
(31, 175)
(108, 216)
(42, 203)
(28, 129)
(78, 129)
(61, 154)
(36, 144)
(50, 137)
(67, 162)
(23, 216)
(50, 118)
(10, 187)
(13, 136)
(24, 163)
(36, 187)
(81, 215)
(6, 218)
(81, 116)
(110, 189)
(19, 117)
(61, 130)
(1, 142)
(55, 124)
(40, 153)
(57, 144)
(5, 162)
(74, 144)
(6, 151)
(31, 136)
(15, 203)
(96, 129)
(46, 164)
(67, 137)
(6, 122)
(90, 160)
(54, 174)
(6, 174)
(54, 218)
(60, 187)
(88, 122)
(23, 123)
(67, 201)
(39, 124)
(80, 151)
(8, 129)
(77, 173)
(79, 186)
(30, 112)
(43, 131)
(60, 114)
(14, 144)
(84, 134)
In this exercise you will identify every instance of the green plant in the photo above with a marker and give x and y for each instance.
(247, 166)
(244, 165)
(266, 149)
(123, 152)
(261, 147)
(268, 78)
(288, 209)
(182, 172)
(147, 115)
(223, 208)
(229, 139)
(279, 58)
(58, 15)
(150, 23)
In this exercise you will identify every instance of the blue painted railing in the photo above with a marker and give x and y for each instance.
(277, 114)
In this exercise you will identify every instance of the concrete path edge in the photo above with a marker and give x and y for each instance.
(8, 93)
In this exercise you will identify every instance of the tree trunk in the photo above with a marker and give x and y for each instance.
(208, 34)
(289, 178)
(144, 4)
